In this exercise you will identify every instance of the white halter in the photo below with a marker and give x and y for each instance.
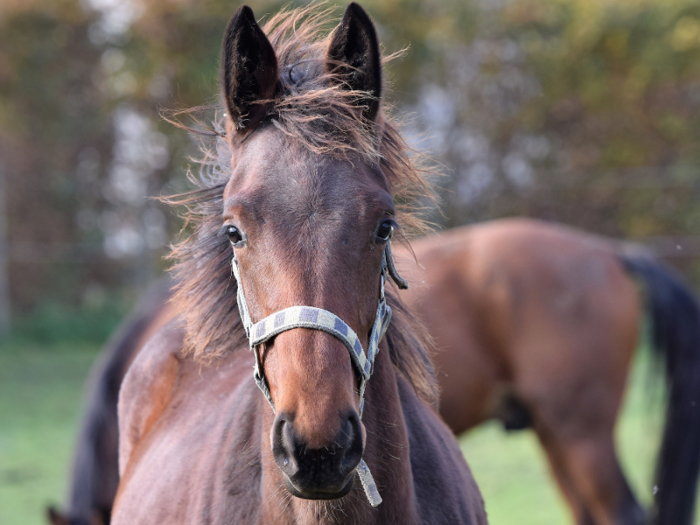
(325, 321)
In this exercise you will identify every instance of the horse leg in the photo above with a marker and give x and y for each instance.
(589, 473)
(566, 486)
(597, 473)
(575, 420)
(570, 370)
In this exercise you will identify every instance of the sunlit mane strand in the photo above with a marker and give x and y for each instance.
(318, 113)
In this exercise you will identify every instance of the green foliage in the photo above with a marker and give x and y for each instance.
(628, 70)
(581, 111)
(54, 323)
(613, 88)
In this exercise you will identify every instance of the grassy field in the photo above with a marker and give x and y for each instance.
(41, 387)
(40, 392)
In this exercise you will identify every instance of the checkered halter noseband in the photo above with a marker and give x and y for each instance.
(325, 321)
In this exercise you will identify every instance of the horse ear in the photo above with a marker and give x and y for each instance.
(353, 57)
(248, 70)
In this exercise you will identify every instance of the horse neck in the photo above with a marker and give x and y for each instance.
(386, 453)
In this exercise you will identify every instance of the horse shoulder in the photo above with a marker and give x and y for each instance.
(444, 486)
(147, 388)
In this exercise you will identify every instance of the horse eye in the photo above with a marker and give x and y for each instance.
(234, 235)
(385, 231)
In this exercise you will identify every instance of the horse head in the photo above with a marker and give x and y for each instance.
(309, 227)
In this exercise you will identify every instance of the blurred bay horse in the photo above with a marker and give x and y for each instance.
(536, 325)
(289, 258)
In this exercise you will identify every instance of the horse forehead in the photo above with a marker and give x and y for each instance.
(289, 180)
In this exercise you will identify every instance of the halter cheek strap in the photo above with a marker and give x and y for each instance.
(325, 321)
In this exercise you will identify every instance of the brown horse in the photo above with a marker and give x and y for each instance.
(537, 325)
(303, 189)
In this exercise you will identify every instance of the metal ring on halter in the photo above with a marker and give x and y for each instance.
(325, 321)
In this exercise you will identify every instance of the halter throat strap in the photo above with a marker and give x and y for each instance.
(325, 321)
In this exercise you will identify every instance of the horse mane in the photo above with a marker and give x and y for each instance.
(325, 118)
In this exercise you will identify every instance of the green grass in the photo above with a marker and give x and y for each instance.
(40, 394)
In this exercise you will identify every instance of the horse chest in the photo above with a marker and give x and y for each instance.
(199, 463)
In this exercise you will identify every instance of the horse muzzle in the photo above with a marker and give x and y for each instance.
(327, 472)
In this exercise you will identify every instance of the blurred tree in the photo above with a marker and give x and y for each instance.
(5, 313)
(49, 112)
(582, 111)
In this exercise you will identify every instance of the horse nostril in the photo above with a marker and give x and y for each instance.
(283, 444)
(354, 446)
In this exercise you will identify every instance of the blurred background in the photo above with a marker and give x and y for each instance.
(584, 112)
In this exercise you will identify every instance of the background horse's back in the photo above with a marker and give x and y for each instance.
(536, 325)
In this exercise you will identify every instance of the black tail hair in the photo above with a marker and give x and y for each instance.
(675, 314)
(95, 473)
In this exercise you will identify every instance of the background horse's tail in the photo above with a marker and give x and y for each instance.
(95, 474)
(675, 315)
